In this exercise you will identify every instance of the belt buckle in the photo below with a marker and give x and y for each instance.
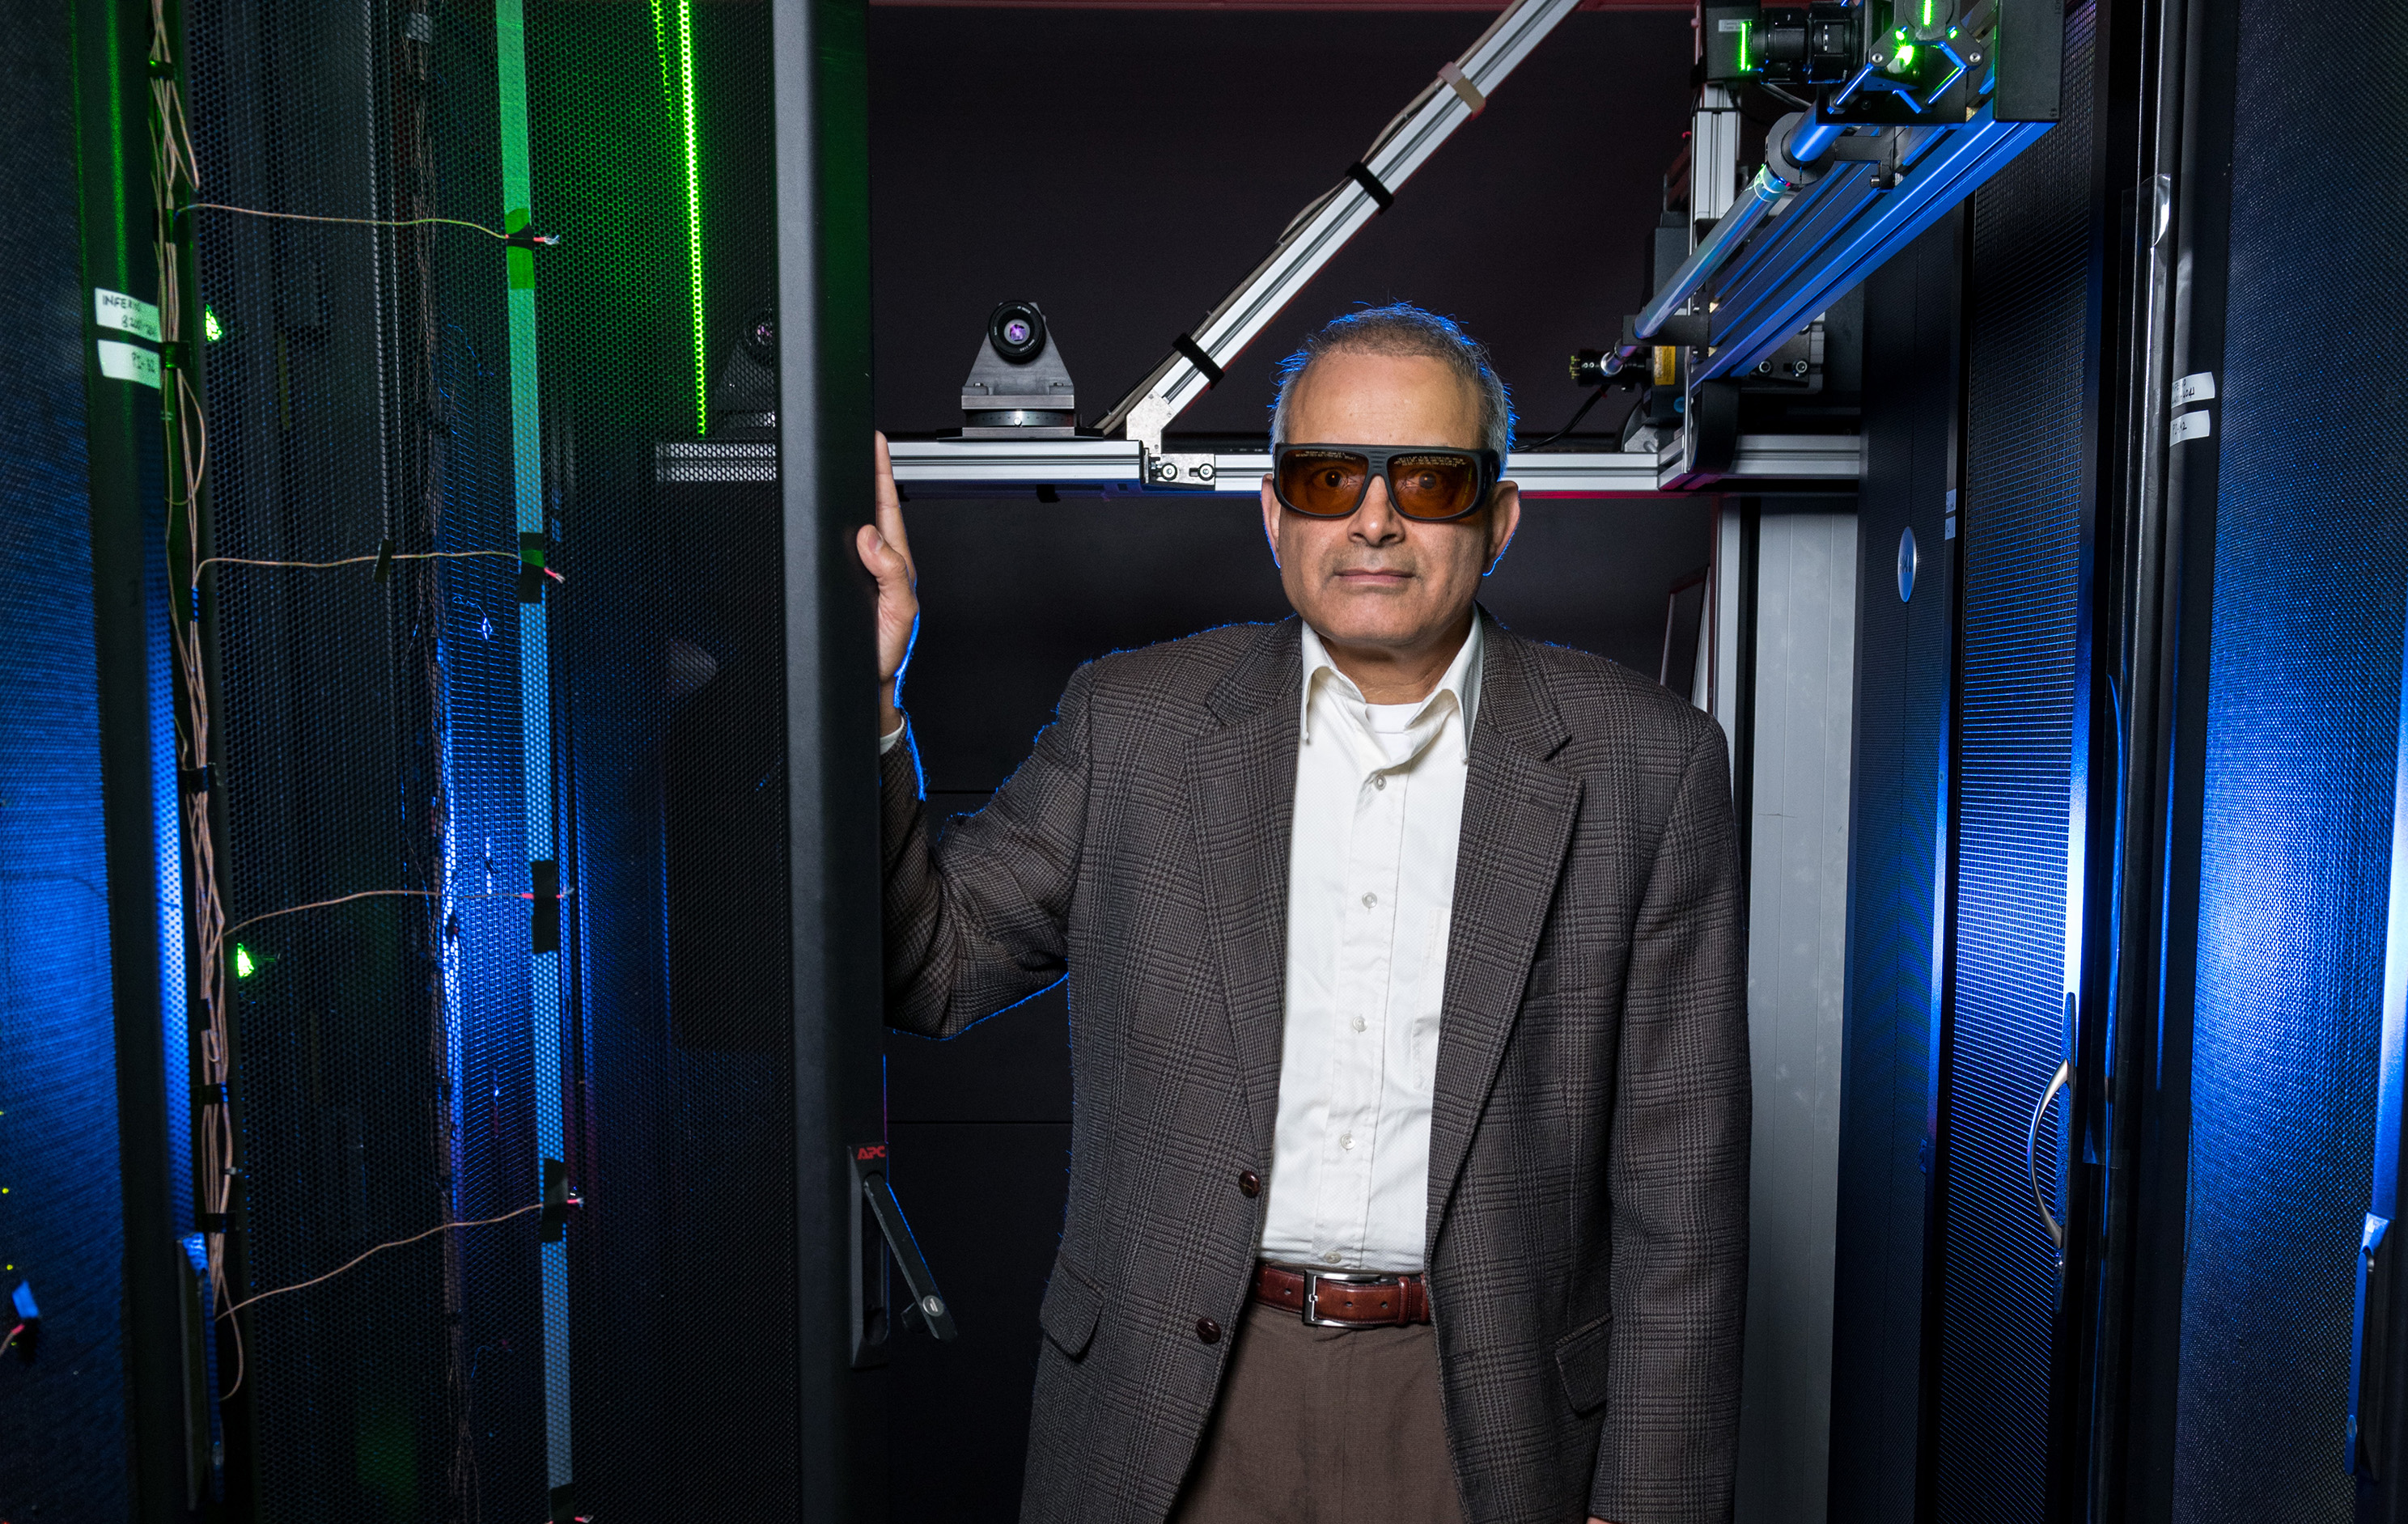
(1313, 1279)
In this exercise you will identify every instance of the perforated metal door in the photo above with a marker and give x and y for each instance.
(2022, 518)
(2300, 747)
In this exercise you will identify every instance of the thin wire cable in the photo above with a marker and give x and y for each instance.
(12, 1338)
(378, 894)
(241, 1365)
(1780, 94)
(361, 561)
(546, 239)
(1593, 399)
(321, 905)
(232, 1308)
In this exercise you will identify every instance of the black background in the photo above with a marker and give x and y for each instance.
(1123, 169)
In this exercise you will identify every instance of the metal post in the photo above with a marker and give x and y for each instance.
(1713, 155)
(820, 58)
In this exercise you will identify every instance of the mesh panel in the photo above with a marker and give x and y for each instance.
(410, 1058)
(63, 1418)
(2303, 697)
(2022, 570)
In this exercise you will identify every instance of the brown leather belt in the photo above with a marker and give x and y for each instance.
(1331, 1299)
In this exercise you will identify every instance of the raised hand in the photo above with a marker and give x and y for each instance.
(886, 550)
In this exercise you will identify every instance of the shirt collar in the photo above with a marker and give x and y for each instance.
(1461, 679)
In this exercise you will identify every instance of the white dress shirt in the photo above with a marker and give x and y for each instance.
(1379, 812)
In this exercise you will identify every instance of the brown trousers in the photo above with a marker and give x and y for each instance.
(1323, 1426)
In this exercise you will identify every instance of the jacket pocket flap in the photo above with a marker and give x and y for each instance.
(1069, 1313)
(1584, 1359)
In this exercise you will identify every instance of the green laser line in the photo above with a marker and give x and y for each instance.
(692, 210)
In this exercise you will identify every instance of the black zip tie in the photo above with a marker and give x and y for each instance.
(543, 921)
(384, 561)
(1195, 355)
(554, 1217)
(530, 238)
(531, 566)
(193, 780)
(1363, 176)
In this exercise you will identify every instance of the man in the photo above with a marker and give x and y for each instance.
(1408, 1172)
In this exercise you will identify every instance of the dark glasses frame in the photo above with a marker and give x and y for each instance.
(1488, 466)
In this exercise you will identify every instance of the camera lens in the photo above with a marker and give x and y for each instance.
(761, 336)
(1017, 330)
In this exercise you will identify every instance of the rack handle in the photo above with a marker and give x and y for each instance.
(2062, 1083)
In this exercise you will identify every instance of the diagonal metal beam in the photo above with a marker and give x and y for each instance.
(1323, 228)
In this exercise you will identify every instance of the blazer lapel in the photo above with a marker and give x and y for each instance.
(1241, 777)
(1517, 821)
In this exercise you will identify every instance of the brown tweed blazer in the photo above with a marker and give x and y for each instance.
(1587, 1244)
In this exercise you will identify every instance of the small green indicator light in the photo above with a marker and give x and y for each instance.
(210, 328)
(243, 967)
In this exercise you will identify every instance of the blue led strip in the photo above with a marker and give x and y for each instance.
(535, 705)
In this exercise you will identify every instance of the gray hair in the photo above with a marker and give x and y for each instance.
(1404, 328)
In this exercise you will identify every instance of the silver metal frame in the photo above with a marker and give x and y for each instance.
(1310, 242)
(1123, 468)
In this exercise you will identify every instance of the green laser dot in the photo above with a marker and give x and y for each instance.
(243, 966)
(210, 327)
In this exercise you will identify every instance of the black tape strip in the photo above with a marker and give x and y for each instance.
(384, 561)
(194, 779)
(543, 922)
(555, 1199)
(1195, 355)
(1363, 176)
(531, 566)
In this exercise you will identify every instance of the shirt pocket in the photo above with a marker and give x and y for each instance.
(1426, 996)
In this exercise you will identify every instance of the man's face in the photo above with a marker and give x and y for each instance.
(1376, 577)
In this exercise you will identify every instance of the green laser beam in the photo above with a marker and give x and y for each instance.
(693, 209)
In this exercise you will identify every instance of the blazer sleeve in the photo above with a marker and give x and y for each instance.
(981, 921)
(1677, 1167)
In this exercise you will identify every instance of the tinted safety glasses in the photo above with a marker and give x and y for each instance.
(1330, 481)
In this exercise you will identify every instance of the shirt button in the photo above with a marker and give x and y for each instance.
(1370, 900)
(1332, 1258)
(1360, 1024)
(1346, 1140)
(1207, 1331)
(1248, 1183)
(1380, 780)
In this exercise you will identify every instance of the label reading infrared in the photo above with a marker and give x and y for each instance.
(126, 314)
(128, 362)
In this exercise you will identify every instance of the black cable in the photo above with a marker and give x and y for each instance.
(1567, 428)
(1780, 94)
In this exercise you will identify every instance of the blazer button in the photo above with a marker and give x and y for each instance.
(1207, 1331)
(1248, 1183)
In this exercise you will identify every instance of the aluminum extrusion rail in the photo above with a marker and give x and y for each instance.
(1117, 468)
(1310, 243)
(1840, 229)
(1708, 257)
